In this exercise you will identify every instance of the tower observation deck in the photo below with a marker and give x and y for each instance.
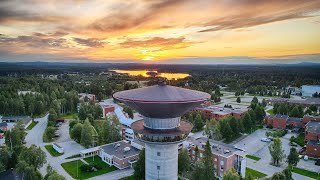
(161, 129)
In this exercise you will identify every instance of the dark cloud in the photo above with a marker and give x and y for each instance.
(254, 12)
(10, 13)
(123, 18)
(91, 42)
(34, 41)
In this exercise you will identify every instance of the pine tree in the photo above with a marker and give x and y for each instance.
(139, 167)
(208, 163)
(293, 157)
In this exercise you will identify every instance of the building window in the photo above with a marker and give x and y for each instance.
(193, 152)
(158, 167)
(158, 153)
(192, 157)
(221, 163)
(201, 155)
(215, 159)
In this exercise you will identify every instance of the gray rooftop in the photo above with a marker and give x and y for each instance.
(294, 119)
(313, 126)
(162, 94)
(279, 116)
(313, 142)
(162, 101)
(25, 119)
(3, 124)
(117, 149)
(223, 110)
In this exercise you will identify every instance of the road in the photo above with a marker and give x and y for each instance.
(34, 135)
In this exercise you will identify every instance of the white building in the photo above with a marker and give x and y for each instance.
(309, 90)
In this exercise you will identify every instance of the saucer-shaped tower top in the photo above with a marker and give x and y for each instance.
(162, 101)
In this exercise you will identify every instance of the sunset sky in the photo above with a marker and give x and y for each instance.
(160, 31)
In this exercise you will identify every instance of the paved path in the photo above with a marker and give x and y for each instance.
(115, 175)
(34, 135)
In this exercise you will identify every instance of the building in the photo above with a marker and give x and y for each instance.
(293, 90)
(3, 126)
(161, 128)
(283, 121)
(119, 154)
(225, 156)
(277, 121)
(107, 109)
(312, 131)
(307, 119)
(303, 102)
(313, 148)
(309, 90)
(128, 134)
(218, 113)
(58, 148)
(312, 138)
(91, 97)
(26, 120)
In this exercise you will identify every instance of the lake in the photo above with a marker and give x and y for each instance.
(146, 73)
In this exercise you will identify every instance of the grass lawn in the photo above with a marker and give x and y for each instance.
(70, 116)
(270, 111)
(300, 139)
(253, 157)
(45, 138)
(73, 156)
(255, 174)
(127, 178)
(33, 123)
(304, 172)
(71, 168)
(52, 151)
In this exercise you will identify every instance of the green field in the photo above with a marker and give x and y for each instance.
(299, 140)
(255, 174)
(33, 124)
(307, 173)
(70, 116)
(253, 157)
(72, 168)
(52, 151)
(270, 111)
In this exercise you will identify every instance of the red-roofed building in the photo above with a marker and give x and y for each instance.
(277, 121)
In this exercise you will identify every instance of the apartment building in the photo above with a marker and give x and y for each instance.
(225, 156)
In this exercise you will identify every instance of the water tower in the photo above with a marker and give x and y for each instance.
(161, 129)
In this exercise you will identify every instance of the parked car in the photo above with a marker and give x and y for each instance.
(293, 144)
(265, 140)
(240, 149)
(56, 134)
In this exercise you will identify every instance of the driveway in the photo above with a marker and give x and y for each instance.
(115, 175)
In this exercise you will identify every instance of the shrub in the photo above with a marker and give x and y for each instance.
(87, 168)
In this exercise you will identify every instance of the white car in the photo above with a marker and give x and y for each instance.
(240, 149)
(265, 140)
